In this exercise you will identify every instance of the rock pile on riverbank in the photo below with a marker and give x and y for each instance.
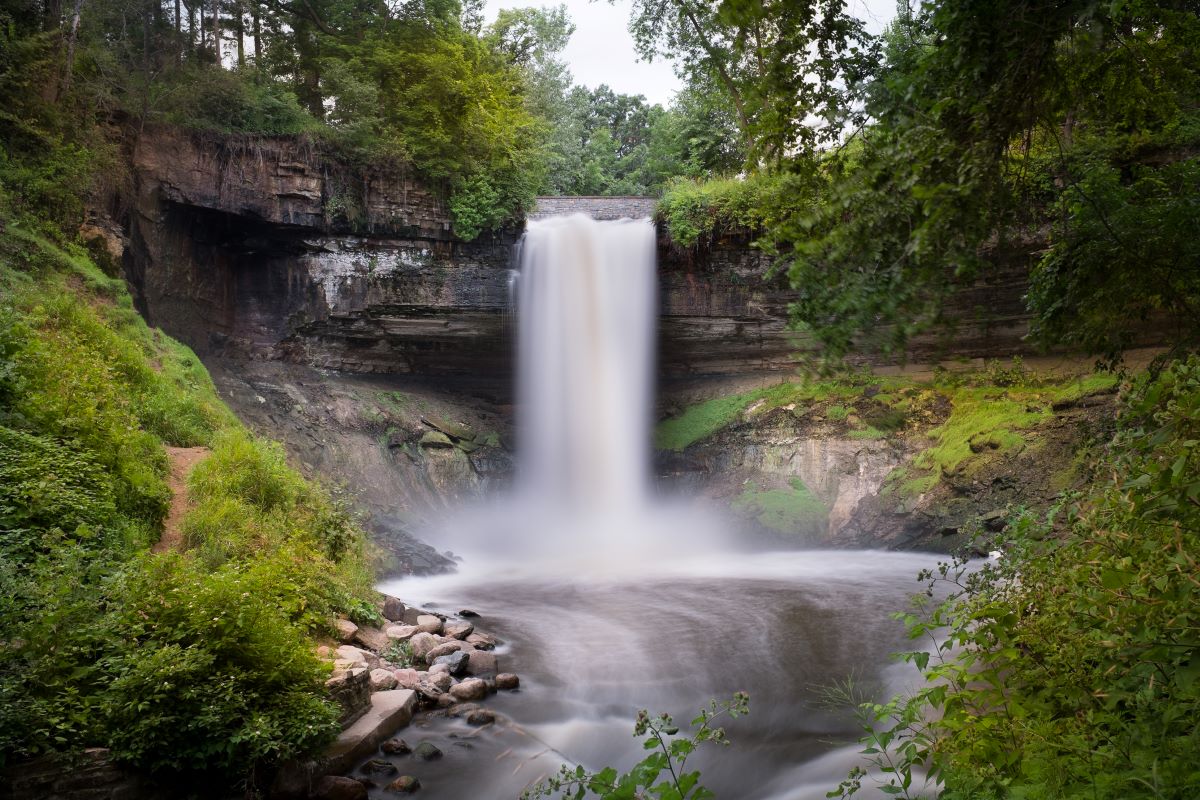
(436, 661)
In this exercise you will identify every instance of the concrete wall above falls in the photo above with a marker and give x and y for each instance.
(603, 208)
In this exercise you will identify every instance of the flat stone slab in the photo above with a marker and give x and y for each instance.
(389, 711)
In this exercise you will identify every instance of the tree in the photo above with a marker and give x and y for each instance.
(791, 71)
(992, 126)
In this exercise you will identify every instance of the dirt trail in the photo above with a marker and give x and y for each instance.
(182, 460)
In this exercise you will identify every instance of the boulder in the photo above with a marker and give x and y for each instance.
(400, 633)
(507, 681)
(427, 751)
(428, 692)
(378, 766)
(481, 663)
(429, 623)
(407, 678)
(441, 680)
(352, 654)
(345, 630)
(470, 689)
(439, 669)
(458, 630)
(421, 644)
(481, 717)
(466, 612)
(406, 784)
(325, 653)
(481, 641)
(435, 440)
(382, 680)
(457, 662)
(335, 787)
(395, 747)
(445, 649)
(372, 639)
(393, 609)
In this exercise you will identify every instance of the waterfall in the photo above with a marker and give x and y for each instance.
(586, 306)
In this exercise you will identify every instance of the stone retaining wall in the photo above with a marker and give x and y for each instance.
(92, 777)
(595, 207)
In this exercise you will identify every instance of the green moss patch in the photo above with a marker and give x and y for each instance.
(796, 510)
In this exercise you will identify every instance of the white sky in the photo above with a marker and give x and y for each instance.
(601, 51)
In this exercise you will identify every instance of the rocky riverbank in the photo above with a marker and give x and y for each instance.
(419, 662)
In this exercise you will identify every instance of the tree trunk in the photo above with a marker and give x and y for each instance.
(72, 39)
(310, 74)
(257, 37)
(216, 30)
(240, 24)
(178, 34)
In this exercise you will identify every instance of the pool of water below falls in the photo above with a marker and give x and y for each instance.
(591, 649)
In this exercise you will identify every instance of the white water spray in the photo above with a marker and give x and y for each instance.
(586, 324)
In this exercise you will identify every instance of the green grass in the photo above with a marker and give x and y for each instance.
(986, 421)
(702, 420)
(166, 653)
(796, 510)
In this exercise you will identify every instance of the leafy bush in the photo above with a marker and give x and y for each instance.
(209, 672)
(233, 102)
(198, 662)
(1071, 667)
(44, 485)
(696, 212)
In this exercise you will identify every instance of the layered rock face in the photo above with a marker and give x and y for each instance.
(268, 248)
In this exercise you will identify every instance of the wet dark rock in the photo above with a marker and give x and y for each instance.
(507, 681)
(336, 787)
(427, 751)
(457, 661)
(994, 520)
(395, 747)
(377, 766)
(466, 612)
(404, 784)
(481, 717)
(393, 609)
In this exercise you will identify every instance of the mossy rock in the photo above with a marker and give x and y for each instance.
(436, 440)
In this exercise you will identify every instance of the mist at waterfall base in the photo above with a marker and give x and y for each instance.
(609, 600)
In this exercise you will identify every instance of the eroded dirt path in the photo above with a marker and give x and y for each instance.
(182, 460)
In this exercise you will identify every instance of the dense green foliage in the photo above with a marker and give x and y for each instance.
(990, 128)
(196, 662)
(1071, 668)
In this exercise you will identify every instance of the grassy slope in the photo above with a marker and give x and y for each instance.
(990, 413)
(196, 662)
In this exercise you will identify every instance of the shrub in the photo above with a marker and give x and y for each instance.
(1071, 667)
(210, 673)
